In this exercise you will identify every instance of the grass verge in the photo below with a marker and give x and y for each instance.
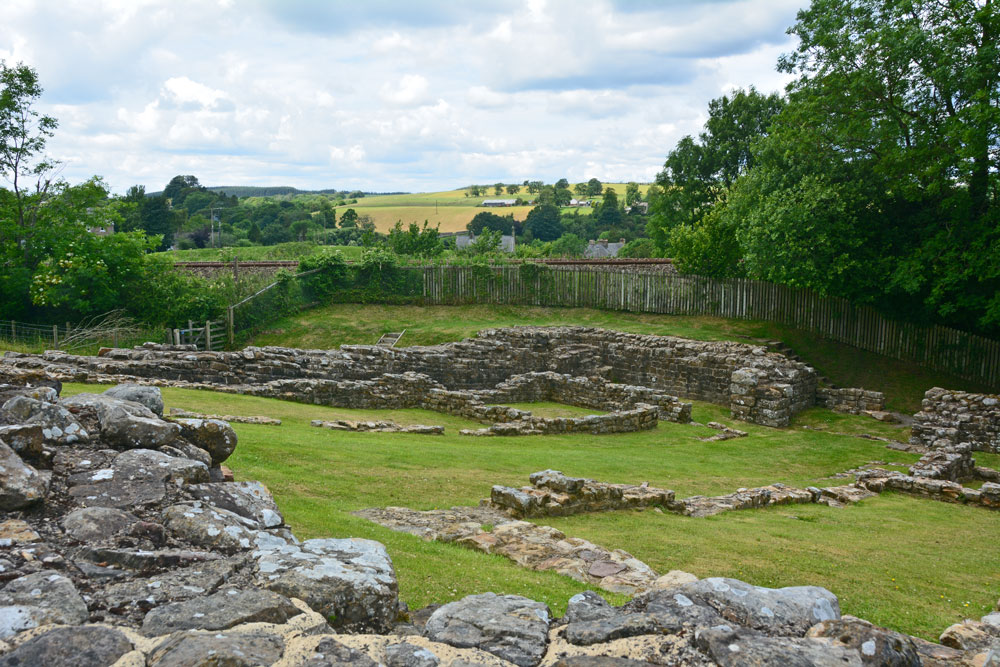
(938, 555)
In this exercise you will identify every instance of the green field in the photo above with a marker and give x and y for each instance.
(331, 326)
(913, 565)
(451, 209)
(282, 251)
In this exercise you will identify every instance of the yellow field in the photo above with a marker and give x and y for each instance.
(450, 209)
(449, 218)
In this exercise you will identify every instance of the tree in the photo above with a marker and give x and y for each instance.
(568, 245)
(498, 188)
(349, 219)
(513, 189)
(176, 187)
(23, 133)
(489, 220)
(594, 187)
(535, 186)
(253, 234)
(562, 183)
(609, 213)
(300, 228)
(416, 241)
(632, 194)
(697, 172)
(543, 223)
(904, 95)
(580, 189)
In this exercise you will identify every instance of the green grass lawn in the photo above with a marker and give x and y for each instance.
(904, 383)
(940, 556)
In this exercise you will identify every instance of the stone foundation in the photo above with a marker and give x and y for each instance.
(850, 400)
(759, 386)
(950, 417)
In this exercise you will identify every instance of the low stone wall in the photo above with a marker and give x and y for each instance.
(641, 418)
(759, 386)
(554, 494)
(988, 495)
(415, 390)
(850, 400)
(585, 392)
(949, 417)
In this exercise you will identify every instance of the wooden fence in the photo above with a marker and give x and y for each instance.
(211, 335)
(967, 355)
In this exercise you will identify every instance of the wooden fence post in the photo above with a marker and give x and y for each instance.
(55, 336)
(229, 324)
(208, 335)
(177, 336)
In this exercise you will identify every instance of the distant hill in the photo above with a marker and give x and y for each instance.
(266, 190)
(273, 190)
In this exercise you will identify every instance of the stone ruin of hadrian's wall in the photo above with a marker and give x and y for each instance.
(758, 386)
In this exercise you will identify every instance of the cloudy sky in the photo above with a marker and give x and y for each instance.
(385, 95)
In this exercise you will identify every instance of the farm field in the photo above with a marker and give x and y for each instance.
(331, 326)
(913, 565)
(450, 209)
(282, 251)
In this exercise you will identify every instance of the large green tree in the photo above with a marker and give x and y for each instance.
(696, 172)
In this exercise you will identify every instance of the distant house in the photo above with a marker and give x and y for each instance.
(497, 203)
(640, 207)
(579, 202)
(601, 249)
(102, 230)
(465, 239)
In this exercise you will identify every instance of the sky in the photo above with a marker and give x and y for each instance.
(379, 95)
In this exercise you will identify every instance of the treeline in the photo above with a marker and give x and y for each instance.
(271, 191)
(875, 177)
(551, 230)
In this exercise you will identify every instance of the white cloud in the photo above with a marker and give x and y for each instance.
(184, 90)
(408, 90)
(426, 96)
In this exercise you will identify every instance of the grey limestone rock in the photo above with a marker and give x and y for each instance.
(508, 626)
(141, 560)
(349, 581)
(588, 606)
(177, 585)
(598, 661)
(136, 477)
(250, 500)
(87, 646)
(587, 633)
(37, 599)
(59, 426)
(193, 649)
(213, 435)
(745, 648)
(219, 611)
(20, 484)
(405, 654)
(877, 646)
(217, 529)
(125, 424)
(774, 611)
(150, 397)
(93, 524)
(25, 439)
(331, 653)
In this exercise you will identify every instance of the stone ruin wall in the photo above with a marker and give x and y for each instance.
(850, 400)
(947, 418)
(759, 386)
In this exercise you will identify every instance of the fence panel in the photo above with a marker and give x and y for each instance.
(940, 348)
